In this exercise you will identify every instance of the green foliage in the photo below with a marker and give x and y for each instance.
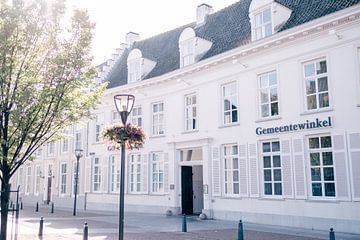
(45, 75)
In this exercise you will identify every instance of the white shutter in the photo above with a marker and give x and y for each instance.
(299, 169)
(287, 186)
(354, 147)
(340, 163)
(216, 181)
(144, 173)
(253, 170)
(243, 170)
(166, 172)
(126, 173)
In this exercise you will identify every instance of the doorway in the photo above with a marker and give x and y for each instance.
(192, 201)
(49, 185)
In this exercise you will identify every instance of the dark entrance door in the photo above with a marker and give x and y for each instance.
(186, 190)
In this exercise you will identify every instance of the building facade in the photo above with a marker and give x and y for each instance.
(251, 112)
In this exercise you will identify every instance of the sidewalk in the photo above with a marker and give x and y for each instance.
(62, 225)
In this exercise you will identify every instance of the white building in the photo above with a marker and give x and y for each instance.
(252, 113)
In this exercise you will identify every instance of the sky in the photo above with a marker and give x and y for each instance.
(115, 18)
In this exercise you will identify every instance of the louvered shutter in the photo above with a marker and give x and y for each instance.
(216, 181)
(354, 147)
(144, 173)
(166, 172)
(243, 170)
(126, 173)
(299, 168)
(253, 170)
(287, 188)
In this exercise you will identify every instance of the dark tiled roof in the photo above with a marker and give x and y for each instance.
(226, 29)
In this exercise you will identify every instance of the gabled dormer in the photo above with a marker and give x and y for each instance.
(192, 48)
(138, 66)
(266, 17)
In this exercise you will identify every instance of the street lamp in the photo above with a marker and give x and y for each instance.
(78, 155)
(124, 104)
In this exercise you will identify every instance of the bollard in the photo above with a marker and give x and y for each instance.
(184, 227)
(240, 231)
(41, 228)
(331, 234)
(37, 207)
(52, 207)
(21, 205)
(86, 231)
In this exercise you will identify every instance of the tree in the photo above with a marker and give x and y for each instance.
(45, 80)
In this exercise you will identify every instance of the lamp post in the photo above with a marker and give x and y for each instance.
(124, 104)
(78, 155)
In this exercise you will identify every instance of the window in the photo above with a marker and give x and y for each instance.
(98, 127)
(135, 173)
(316, 82)
(114, 175)
(115, 116)
(39, 151)
(268, 93)
(231, 169)
(187, 52)
(65, 141)
(158, 119)
(135, 70)
(262, 24)
(78, 144)
(37, 179)
(136, 116)
(96, 179)
(74, 177)
(62, 178)
(322, 166)
(157, 172)
(272, 168)
(190, 112)
(50, 148)
(28, 180)
(21, 177)
(230, 103)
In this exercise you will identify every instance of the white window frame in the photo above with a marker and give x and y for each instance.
(134, 68)
(135, 182)
(262, 25)
(157, 126)
(187, 52)
(115, 116)
(136, 115)
(21, 178)
(322, 181)
(50, 149)
(230, 170)
(271, 154)
(316, 77)
(78, 140)
(268, 89)
(28, 180)
(65, 141)
(37, 179)
(114, 174)
(96, 172)
(190, 118)
(62, 179)
(157, 172)
(98, 124)
(229, 98)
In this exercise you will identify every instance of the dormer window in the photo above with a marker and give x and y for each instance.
(263, 26)
(135, 71)
(187, 52)
(139, 66)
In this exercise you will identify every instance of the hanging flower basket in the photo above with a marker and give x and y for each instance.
(116, 134)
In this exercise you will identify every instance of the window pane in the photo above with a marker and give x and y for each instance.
(311, 102)
(275, 146)
(267, 188)
(310, 86)
(314, 142)
(330, 189)
(264, 96)
(321, 67)
(273, 94)
(274, 109)
(272, 79)
(323, 100)
(329, 174)
(266, 147)
(327, 158)
(277, 175)
(277, 189)
(326, 142)
(258, 19)
(234, 116)
(234, 150)
(264, 81)
(315, 174)
(309, 70)
(266, 15)
(235, 163)
(226, 105)
(236, 176)
(267, 29)
(316, 189)
(267, 162)
(276, 161)
(315, 159)
(236, 188)
(265, 110)
(267, 175)
(322, 84)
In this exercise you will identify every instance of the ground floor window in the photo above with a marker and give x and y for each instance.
(272, 168)
(37, 179)
(75, 166)
(231, 169)
(96, 176)
(63, 178)
(157, 172)
(114, 175)
(321, 166)
(135, 173)
(28, 179)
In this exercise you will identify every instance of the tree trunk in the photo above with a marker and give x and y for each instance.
(5, 194)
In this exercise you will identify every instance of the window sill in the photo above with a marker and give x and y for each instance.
(190, 131)
(268, 198)
(268, 119)
(323, 200)
(229, 125)
(237, 197)
(309, 112)
(157, 136)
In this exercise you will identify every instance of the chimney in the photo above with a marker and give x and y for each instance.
(201, 13)
(131, 37)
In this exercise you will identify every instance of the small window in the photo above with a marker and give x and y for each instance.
(135, 71)
(135, 173)
(268, 95)
(272, 175)
(50, 148)
(98, 127)
(230, 103)
(262, 24)
(187, 53)
(158, 119)
(316, 85)
(136, 116)
(191, 112)
(78, 141)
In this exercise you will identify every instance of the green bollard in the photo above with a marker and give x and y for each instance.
(21, 205)
(331, 234)
(52, 207)
(86, 231)
(37, 207)
(41, 228)
(184, 227)
(240, 231)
